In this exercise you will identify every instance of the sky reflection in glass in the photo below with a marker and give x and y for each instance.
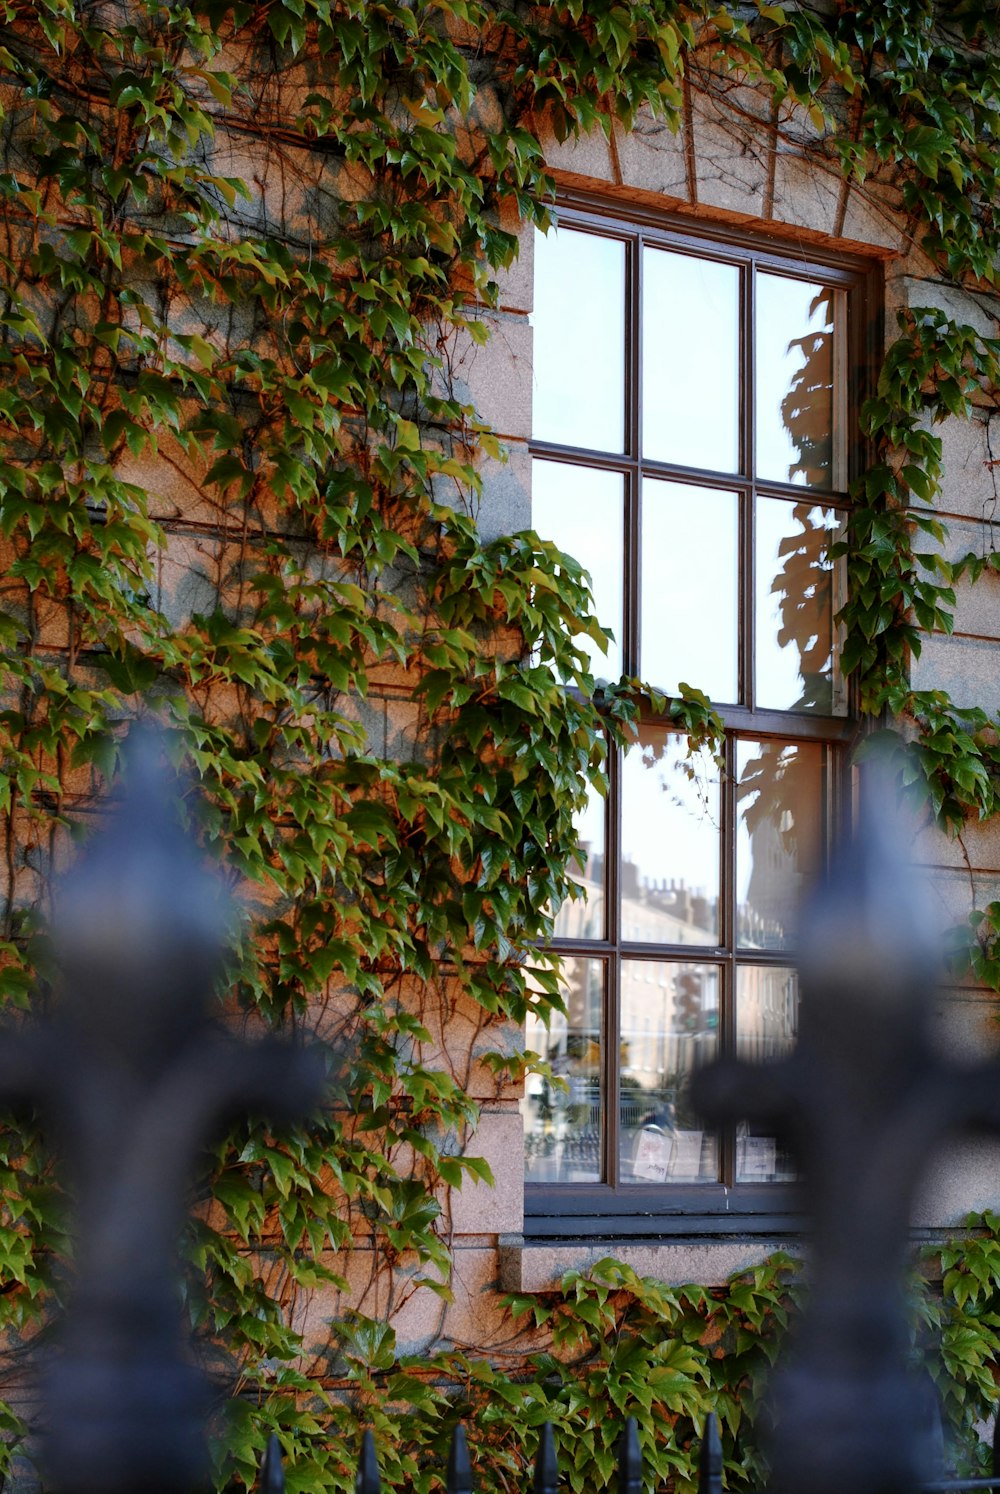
(583, 510)
(690, 361)
(690, 588)
(578, 353)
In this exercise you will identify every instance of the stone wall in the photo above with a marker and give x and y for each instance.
(730, 164)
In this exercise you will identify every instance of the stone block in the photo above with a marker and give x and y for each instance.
(968, 309)
(42, 616)
(980, 843)
(539, 1268)
(957, 892)
(171, 482)
(505, 503)
(368, 716)
(872, 219)
(970, 486)
(421, 1318)
(192, 576)
(472, 1319)
(404, 731)
(806, 193)
(478, 1209)
(461, 1033)
(961, 1176)
(496, 377)
(586, 155)
(977, 847)
(966, 667)
(977, 605)
(965, 1026)
(653, 157)
(977, 602)
(732, 144)
(517, 282)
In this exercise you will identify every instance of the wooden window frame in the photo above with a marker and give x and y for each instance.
(563, 1210)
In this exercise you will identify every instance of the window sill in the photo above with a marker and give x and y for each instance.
(539, 1265)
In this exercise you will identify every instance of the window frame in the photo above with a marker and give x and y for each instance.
(566, 1210)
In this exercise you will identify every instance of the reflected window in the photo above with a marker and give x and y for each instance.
(794, 343)
(561, 1108)
(694, 417)
(670, 865)
(590, 505)
(780, 826)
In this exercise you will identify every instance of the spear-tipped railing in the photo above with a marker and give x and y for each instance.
(133, 1075)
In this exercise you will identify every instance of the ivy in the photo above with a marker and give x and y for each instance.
(622, 1345)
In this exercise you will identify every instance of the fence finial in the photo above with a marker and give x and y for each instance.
(546, 1479)
(459, 1467)
(710, 1458)
(133, 1077)
(367, 1480)
(863, 1101)
(272, 1474)
(629, 1459)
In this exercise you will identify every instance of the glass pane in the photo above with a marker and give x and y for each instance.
(671, 809)
(583, 511)
(794, 381)
(690, 361)
(767, 1011)
(670, 1019)
(690, 589)
(780, 812)
(799, 592)
(578, 357)
(583, 917)
(562, 1115)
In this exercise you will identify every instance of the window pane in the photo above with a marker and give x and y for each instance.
(767, 1010)
(670, 1016)
(670, 842)
(799, 592)
(583, 917)
(562, 1121)
(780, 813)
(690, 589)
(794, 381)
(579, 342)
(690, 361)
(583, 511)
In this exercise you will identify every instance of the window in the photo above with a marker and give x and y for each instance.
(693, 444)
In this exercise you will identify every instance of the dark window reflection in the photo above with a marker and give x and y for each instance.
(561, 1110)
(670, 1027)
(799, 593)
(794, 381)
(670, 842)
(767, 1013)
(583, 917)
(779, 797)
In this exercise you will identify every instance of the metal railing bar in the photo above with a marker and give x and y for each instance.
(939, 1485)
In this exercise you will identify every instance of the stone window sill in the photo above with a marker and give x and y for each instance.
(538, 1266)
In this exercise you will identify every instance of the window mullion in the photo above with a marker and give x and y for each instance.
(728, 928)
(747, 640)
(633, 480)
(612, 971)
